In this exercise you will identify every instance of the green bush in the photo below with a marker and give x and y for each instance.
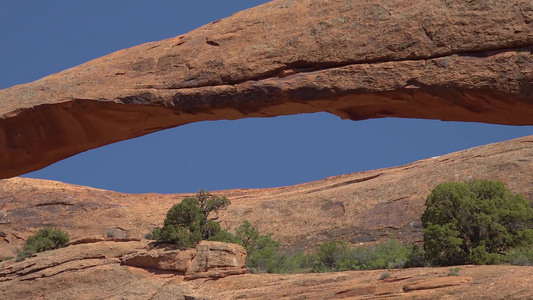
(453, 271)
(45, 239)
(520, 257)
(23, 254)
(389, 255)
(293, 264)
(187, 223)
(416, 257)
(474, 222)
(335, 256)
(331, 256)
(262, 250)
(384, 275)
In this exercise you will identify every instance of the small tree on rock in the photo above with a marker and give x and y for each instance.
(189, 222)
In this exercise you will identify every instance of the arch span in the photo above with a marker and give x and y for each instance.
(459, 60)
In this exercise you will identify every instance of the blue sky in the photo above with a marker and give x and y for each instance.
(39, 38)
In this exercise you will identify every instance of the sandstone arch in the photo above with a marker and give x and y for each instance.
(448, 60)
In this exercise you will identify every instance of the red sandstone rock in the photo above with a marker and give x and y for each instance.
(458, 60)
(361, 208)
(161, 259)
(435, 283)
(217, 260)
(207, 260)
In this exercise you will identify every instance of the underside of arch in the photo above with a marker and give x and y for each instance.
(453, 60)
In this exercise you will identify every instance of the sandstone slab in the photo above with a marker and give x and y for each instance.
(207, 260)
(169, 260)
(435, 283)
(217, 260)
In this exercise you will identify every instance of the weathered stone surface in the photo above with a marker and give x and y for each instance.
(207, 260)
(161, 259)
(87, 271)
(300, 216)
(362, 208)
(103, 270)
(217, 260)
(458, 60)
(486, 282)
(435, 283)
(93, 271)
(76, 257)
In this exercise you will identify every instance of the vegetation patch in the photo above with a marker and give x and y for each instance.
(188, 222)
(477, 222)
(45, 239)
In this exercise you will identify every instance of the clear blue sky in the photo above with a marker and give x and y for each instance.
(38, 38)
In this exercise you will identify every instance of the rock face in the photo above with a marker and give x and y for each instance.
(109, 269)
(362, 208)
(94, 271)
(207, 260)
(454, 60)
(217, 260)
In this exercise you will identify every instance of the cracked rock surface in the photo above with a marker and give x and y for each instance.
(362, 208)
(93, 271)
(114, 270)
(453, 60)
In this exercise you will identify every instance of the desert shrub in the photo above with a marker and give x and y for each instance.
(45, 239)
(474, 222)
(337, 256)
(416, 257)
(295, 263)
(359, 258)
(520, 257)
(7, 258)
(188, 222)
(23, 254)
(389, 255)
(331, 256)
(224, 236)
(453, 271)
(262, 250)
(384, 275)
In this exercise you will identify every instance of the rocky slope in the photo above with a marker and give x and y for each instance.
(107, 269)
(94, 271)
(362, 208)
(465, 61)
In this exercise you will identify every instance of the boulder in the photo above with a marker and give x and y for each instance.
(453, 60)
(207, 260)
(217, 260)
